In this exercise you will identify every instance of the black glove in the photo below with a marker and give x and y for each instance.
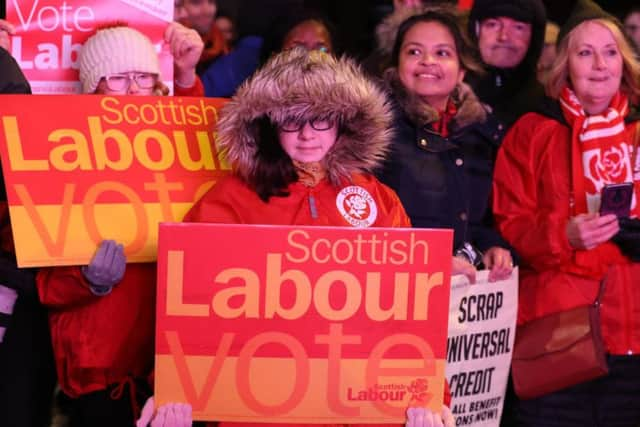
(628, 238)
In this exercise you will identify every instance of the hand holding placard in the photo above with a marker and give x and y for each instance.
(186, 47)
(169, 415)
(422, 417)
(106, 268)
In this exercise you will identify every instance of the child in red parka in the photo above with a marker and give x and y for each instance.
(302, 135)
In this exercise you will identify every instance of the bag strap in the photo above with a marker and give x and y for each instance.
(635, 147)
(596, 303)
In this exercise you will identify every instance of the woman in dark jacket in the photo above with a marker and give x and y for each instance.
(441, 163)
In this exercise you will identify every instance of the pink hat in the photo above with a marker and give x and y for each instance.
(115, 50)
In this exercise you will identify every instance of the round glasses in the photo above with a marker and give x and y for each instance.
(297, 125)
(121, 81)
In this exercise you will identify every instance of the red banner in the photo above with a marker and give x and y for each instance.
(80, 169)
(301, 324)
(50, 33)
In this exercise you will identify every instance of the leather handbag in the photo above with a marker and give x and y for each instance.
(559, 350)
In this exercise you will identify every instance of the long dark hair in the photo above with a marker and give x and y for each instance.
(274, 168)
(448, 17)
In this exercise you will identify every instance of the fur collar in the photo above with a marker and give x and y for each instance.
(387, 30)
(470, 109)
(305, 85)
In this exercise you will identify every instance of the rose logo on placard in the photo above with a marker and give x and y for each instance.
(418, 390)
(357, 206)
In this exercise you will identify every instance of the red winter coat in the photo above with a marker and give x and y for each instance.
(232, 201)
(99, 341)
(531, 207)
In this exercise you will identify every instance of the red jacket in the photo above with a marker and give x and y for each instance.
(531, 207)
(232, 201)
(196, 90)
(99, 341)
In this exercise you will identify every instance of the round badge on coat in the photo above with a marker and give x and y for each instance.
(357, 206)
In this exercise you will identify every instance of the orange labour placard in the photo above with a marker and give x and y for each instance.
(304, 324)
(80, 169)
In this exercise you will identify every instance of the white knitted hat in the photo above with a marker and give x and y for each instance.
(115, 50)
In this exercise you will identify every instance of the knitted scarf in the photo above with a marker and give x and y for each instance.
(601, 150)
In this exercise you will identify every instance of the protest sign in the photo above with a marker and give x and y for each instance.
(301, 324)
(80, 169)
(50, 33)
(482, 320)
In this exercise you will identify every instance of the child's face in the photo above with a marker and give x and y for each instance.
(200, 14)
(128, 83)
(308, 142)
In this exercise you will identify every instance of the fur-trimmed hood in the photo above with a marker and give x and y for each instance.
(470, 109)
(302, 85)
(387, 30)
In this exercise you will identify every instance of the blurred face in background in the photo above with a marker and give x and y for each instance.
(549, 51)
(179, 12)
(545, 62)
(225, 25)
(595, 66)
(503, 42)
(311, 35)
(632, 27)
(428, 63)
(200, 14)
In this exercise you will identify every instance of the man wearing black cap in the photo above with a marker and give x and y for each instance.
(510, 35)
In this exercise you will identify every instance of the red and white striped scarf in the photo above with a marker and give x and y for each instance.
(601, 150)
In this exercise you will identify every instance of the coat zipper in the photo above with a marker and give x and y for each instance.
(313, 209)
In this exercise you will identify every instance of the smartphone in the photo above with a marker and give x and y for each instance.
(616, 199)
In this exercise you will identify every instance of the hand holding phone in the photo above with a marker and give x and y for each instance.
(616, 199)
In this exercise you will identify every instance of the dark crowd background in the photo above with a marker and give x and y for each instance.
(358, 16)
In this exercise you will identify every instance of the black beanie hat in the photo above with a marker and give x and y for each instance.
(585, 10)
(530, 11)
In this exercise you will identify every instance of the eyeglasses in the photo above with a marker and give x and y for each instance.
(297, 125)
(122, 81)
(308, 46)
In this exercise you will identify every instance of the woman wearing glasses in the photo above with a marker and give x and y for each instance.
(122, 61)
(101, 316)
